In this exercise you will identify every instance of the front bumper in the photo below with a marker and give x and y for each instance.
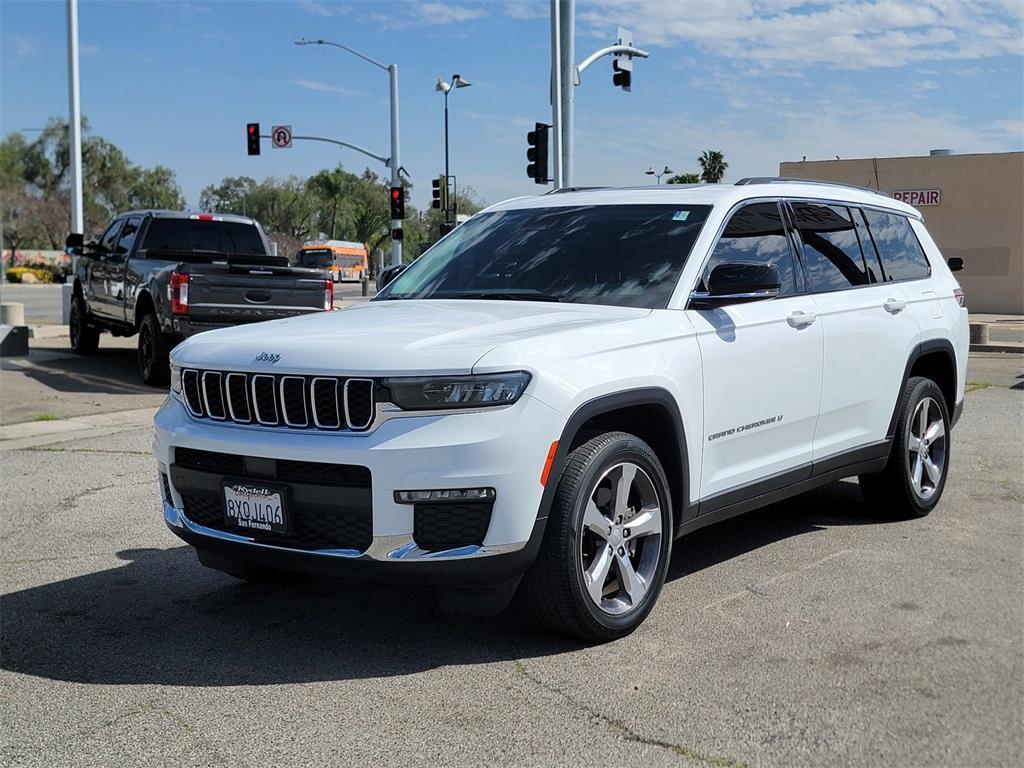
(504, 449)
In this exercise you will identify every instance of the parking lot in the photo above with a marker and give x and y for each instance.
(814, 632)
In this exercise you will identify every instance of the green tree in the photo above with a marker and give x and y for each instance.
(684, 178)
(155, 187)
(712, 166)
(34, 183)
(330, 186)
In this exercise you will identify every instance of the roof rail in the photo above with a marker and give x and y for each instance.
(572, 189)
(789, 180)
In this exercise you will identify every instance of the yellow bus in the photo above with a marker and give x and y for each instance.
(345, 260)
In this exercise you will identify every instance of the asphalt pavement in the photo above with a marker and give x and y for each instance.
(814, 632)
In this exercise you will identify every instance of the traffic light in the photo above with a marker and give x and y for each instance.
(397, 203)
(622, 63)
(537, 153)
(622, 72)
(440, 199)
(252, 137)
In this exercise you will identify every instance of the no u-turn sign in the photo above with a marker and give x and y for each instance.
(281, 136)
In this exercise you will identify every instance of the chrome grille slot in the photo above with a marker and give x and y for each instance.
(358, 403)
(213, 397)
(264, 399)
(293, 401)
(280, 400)
(237, 392)
(325, 403)
(193, 397)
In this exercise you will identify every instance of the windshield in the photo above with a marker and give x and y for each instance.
(622, 255)
(201, 235)
(319, 259)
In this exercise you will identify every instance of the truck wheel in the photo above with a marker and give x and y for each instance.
(154, 368)
(84, 337)
(913, 479)
(607, 544)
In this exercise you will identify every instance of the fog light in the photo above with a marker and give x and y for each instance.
(449, 494)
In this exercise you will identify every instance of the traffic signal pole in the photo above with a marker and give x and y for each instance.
(396, 165)
(565, 76)
(566, 57)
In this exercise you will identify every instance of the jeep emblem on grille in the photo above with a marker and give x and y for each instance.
(267, 357)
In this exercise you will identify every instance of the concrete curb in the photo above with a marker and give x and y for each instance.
(29, 434)
(1006, 348)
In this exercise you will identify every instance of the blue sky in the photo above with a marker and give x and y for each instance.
(761, 80)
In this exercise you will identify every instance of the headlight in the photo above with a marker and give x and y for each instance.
(176, 379)
(437, 392)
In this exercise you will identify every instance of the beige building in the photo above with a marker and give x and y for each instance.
(973, 206)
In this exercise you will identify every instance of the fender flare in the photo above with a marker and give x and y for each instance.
(683, 509)
(924, 348)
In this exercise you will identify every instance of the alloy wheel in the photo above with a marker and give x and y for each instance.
(620, 543)
(926, 448)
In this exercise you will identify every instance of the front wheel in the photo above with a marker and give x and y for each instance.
(84, 338)
(608, 540)
(913, 479)
(154, 368)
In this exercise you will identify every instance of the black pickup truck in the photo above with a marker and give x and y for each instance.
(166, 275)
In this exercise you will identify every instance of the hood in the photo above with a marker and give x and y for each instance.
(391, 337)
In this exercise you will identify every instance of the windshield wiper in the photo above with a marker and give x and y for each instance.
(506, 296)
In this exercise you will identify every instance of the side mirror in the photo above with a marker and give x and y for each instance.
(388, 274)
(955, 264)
(738, 283)
(75, 243)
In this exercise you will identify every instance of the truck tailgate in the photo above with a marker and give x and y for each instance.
(219, 293)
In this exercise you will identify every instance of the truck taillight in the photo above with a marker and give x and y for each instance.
(328, 295)
(958, 294)
(177, 292)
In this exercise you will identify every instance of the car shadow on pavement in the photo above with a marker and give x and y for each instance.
(109, 371)
(163, 619)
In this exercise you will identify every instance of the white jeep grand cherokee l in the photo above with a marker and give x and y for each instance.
(565, 384)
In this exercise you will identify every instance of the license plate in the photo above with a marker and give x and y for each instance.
(255, 508)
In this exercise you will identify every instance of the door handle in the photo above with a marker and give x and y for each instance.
(894, 306)
(799, 319)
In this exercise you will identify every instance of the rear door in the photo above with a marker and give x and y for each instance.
(868, 330)
(762, 367)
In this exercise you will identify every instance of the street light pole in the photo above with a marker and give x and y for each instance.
(651, 172)
(74, 122)
(394, 162)
(446, 88)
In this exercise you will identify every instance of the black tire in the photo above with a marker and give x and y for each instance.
(554, 591)
(243, 570)
(893, 491)
(85, 338)
(154, 368)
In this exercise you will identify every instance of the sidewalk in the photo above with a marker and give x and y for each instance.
(997, 333)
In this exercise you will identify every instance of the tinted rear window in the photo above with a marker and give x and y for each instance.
(831, 254)
(223, 237)
(901, 253)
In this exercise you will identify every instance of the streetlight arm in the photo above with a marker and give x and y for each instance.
(375, 63)
(609, 51)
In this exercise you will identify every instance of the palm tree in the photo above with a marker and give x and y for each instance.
(330, 185)
(712, 166)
